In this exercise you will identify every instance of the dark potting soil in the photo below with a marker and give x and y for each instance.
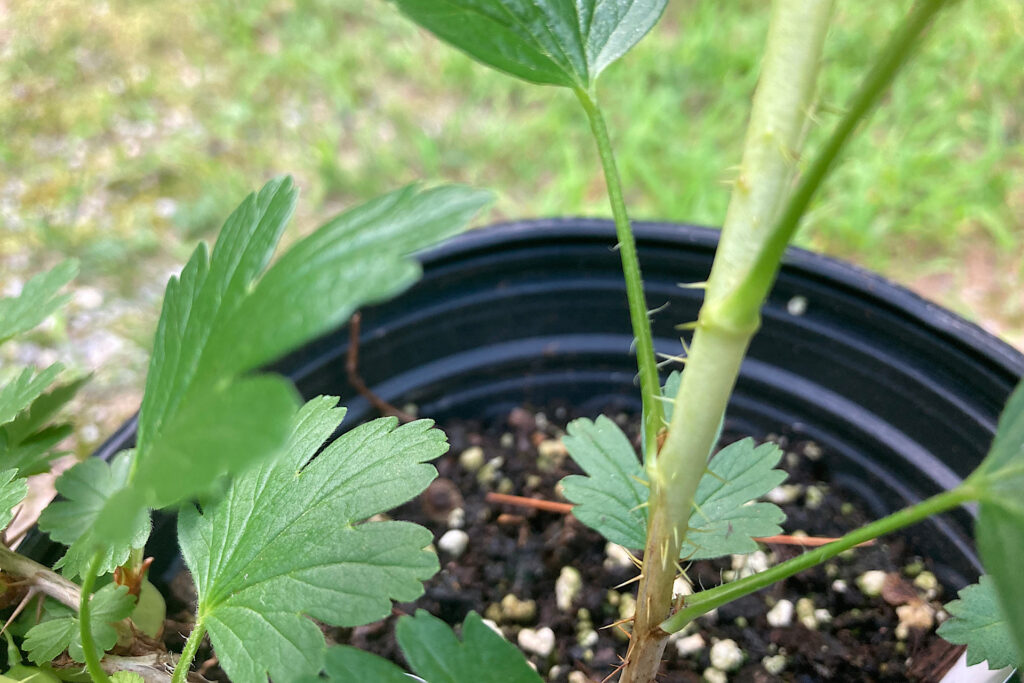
(841, 634)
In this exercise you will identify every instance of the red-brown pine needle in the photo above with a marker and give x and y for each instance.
(566, 508)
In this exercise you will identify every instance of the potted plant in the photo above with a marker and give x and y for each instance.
(249, 542)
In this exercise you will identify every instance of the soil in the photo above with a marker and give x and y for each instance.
(521, 552)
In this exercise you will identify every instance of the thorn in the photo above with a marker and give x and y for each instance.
(685, 327)
(645, 483)
(629, 581)
(616, 670)
(634, 559)
(616, 624)
(659, 309)
(708, 471)
(693, 285)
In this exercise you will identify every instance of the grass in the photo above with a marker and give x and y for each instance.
(131, 127)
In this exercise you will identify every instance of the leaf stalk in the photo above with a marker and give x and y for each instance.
(188, 654)
(647, 364)
(89, 649)
(705, 601)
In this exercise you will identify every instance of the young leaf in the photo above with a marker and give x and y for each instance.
(611, 498)
(977, 622)
(725, 521)
(436, 655)
(289, 539)
(86, 488)
(554, 42)
(109, 605)
(999, 480)
(38, 299)
(204, 415)
(12, 491)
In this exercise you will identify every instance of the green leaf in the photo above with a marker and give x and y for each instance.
(47, 640)
(612, 498)
(34, 455)
(358, 258)
(978, 623)
(999, 480)
(24, 389)
(289, 539)
(12, 491)
(346, 663)
(126, 677)
(109, 605)
(725, 521)
(203, 415)
(27, 441)
(555, 42)
(86, 488)
(38, 299)
(436, 655)
(42, 410)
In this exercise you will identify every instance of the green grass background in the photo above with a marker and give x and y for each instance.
(129, 129)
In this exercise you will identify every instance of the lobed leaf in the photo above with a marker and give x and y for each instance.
(204, 416)
(289, 539)
(12, 491)
(977, 622)
(37, 301)
(27, 441)
(612, 498)
(18, 394)
(724, 520)
(109, 605)
(554, 42)
(1000, 527)
(347, 663)
(86, 488)
(435, 654)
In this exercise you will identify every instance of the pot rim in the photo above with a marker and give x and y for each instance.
(865, 283)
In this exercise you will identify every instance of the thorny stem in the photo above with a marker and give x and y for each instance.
(705, 601)
(878, 80)
(181, 669)
(92, 656)
(753, 240)
(647, 364)
(788, 76)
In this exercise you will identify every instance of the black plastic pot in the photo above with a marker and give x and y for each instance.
(902, 395)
